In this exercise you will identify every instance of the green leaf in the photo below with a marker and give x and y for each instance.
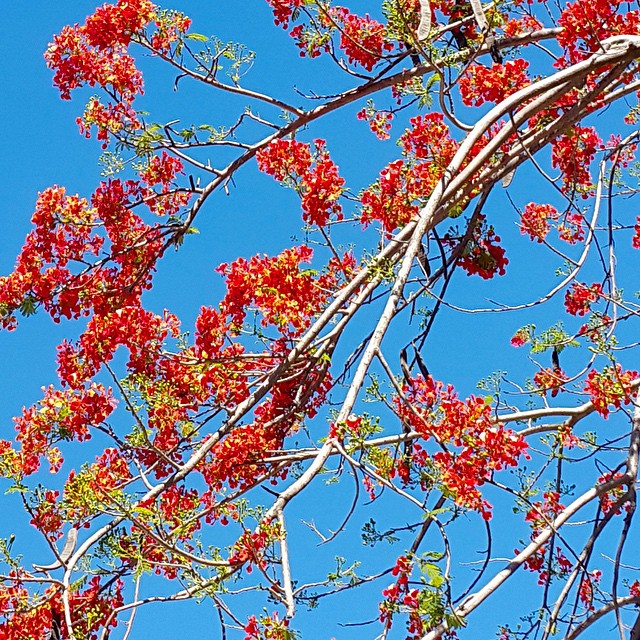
(196, 36)
(28, 306)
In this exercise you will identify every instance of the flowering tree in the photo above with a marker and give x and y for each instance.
(308, 381)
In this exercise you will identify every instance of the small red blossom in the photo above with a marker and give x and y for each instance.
(482, 254)
(540, 516)
(635, 242)
(573, 153)
(481, 84)
(312, 42)
(362, 39)
(580, 297)
(519, 26)
(608, 500)
(522, 336)
(313, 175)
(551, 379)
(585, 591)
(610, 387)
(475, 445)
(398, 591)
(535, 218)
(267, 628)
(597, 327)
(379, 121)
(283, 9)
(571, 228)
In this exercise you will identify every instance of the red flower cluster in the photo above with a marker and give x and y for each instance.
(597, 327)
(170, 27)
(46, 515)
(251, 546)
(573, 153)
(522, 336)
(482, 255)
(90, 610)
(162, 171)
(481, 84)
(60, 415)
(239, 458)
(608, 500)
(379, 121)
(108, 120)
(519, 26)
(283, 9)
(534, 220)
(287, 296)
(311, 41)
(54, 268)
(96, 487)
(400, 597)
(62, 235)
(112, 25)
(586, 24)
(611, 387)
(580, 297)
(95, 54)
(428, 138)
(540, 516)
(314, 176)
(362, 39)
(399, 593)
(267, 628)
(474, 446)
(551, 379)
(141, 332)
(571, 229)
(585, 591)
(393, 200)
(177, 505)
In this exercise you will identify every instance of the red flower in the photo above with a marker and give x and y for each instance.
(550, 380)
(480, 84)
(282, 10)
(314, 176)
(482, 255)
(579, 298)
(610, 387)
(362, 39)
(534, 220)
(573, 153)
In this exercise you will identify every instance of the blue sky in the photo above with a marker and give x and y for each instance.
(43, 148)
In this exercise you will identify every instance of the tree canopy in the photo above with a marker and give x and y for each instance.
(399, 399)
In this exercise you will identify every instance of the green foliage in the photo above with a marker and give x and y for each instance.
(112, 164)
(371, 536)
